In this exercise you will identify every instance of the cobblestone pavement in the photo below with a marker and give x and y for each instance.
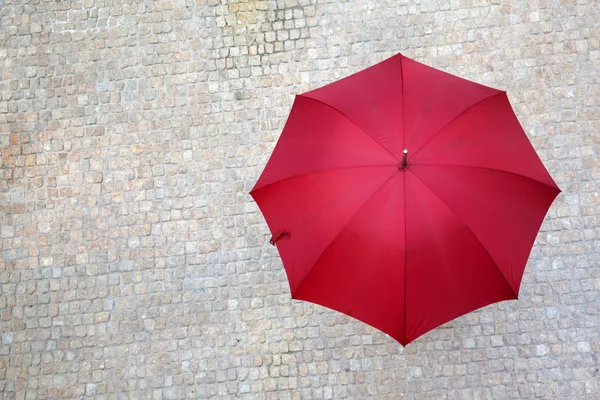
(133, 263)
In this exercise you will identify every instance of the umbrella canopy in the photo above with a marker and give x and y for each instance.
(404, 197)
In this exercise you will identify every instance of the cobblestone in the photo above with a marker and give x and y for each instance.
(134, 264)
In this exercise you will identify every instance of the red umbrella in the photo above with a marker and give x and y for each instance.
(404, 197)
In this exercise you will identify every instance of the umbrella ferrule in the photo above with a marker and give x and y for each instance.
(404, 162)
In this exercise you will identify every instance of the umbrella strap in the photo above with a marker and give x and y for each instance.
(274, 239)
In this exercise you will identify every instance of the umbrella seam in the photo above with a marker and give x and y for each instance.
(405, 265)
(402, 103)
(492, 169)
(319, 172)
(351, 121)
(404, 188)
(346, 225)
(453, 120)
(471, 232)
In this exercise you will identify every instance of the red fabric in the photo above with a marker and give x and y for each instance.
(404, 250)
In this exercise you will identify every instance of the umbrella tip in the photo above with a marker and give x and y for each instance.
(404, 163)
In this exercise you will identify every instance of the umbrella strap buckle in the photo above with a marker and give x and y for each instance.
(275, 238)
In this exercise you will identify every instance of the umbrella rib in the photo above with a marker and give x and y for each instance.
(320, 171)
(492, 169)
(346, 225)
(452, 120)
(472, 233)
(351, 121)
